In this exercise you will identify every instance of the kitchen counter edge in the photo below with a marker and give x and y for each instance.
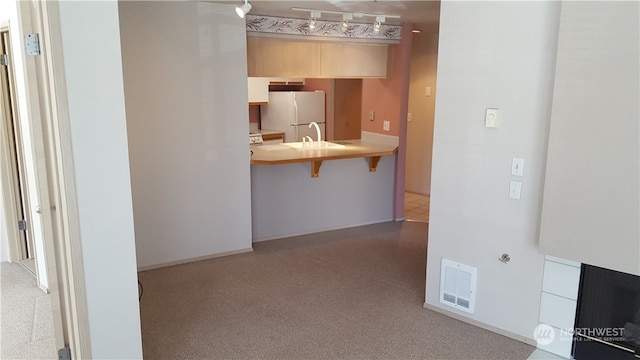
(353, 149)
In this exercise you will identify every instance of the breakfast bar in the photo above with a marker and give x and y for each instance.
(278, 154)
(355, 187)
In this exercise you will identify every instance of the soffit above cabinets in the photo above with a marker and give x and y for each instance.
(262, 25)
(425, 14)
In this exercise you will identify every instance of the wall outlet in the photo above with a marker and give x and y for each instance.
(372, 115)
(409, 117)
(386, 125)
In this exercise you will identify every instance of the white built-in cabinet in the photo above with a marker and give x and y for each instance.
(259, 87)
(258, 90)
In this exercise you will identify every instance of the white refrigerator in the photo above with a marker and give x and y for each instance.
(292, 111)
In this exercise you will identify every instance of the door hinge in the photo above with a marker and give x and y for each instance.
(4, 59)
(22, 225)
(32, 44)
(64, 353)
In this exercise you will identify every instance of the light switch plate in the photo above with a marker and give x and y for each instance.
(372, 115)
(386, 125)
(517, 166)
(491, 118)
(515, 189)
(409, 117)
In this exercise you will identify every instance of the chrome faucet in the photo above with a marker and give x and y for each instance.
(313, 123)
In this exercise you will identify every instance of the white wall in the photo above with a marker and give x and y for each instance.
(591, 207)
(424, 59)
(185, 79)
(287, 201)
(492, 54)
(93, 75)
(9, 12)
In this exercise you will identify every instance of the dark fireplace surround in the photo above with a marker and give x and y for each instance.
(607, 322)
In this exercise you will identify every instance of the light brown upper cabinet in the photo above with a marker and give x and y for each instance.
(268, 57)
(275, 57)
(344, 60)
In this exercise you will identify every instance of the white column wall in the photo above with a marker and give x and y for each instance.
(185, 78)
(492, 55)
(93, 76)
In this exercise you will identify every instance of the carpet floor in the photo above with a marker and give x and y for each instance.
(25, 316)
(347, 294)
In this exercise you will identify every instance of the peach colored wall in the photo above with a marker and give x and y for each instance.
(384, 96)
(389, 99)
(317, 84)
(254, 116)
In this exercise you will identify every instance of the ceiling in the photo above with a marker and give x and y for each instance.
(425, 14)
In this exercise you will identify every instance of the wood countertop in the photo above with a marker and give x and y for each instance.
(280, 154)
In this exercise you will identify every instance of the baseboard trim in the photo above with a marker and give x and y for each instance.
(482, 325)
(43, 288)
(284, 236)
(195, 259)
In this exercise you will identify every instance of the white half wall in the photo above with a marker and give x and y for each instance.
(185, 78)
(287, 201)
(93, 76)
(492, 55)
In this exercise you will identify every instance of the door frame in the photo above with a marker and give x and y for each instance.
(51, 144)
(14, 183)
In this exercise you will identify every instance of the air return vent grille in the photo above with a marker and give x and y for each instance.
(458, 285)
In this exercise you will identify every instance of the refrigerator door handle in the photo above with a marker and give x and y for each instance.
(295, 107)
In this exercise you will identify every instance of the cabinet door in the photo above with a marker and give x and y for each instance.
(283, 58)
(340, 60)
(258, 90)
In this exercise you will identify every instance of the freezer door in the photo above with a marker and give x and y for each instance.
(279, 114)
(308, 107)
(299, 131)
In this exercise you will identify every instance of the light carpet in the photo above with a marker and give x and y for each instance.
(348, 294)
(25, 316)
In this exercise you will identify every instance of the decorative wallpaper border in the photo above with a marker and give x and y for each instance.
(290, 26)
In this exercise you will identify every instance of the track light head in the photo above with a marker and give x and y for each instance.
(312, 19)
(378, 23)
(243, 9)
(345, 21)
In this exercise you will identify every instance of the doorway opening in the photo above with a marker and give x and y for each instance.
(15, 190)
(420, 125)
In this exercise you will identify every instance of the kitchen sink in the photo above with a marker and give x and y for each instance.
(314, 145)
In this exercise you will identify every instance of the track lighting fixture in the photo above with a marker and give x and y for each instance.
(243, 9)
(345, 21)
(312, 19)
(378, 23)
(346, 17)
